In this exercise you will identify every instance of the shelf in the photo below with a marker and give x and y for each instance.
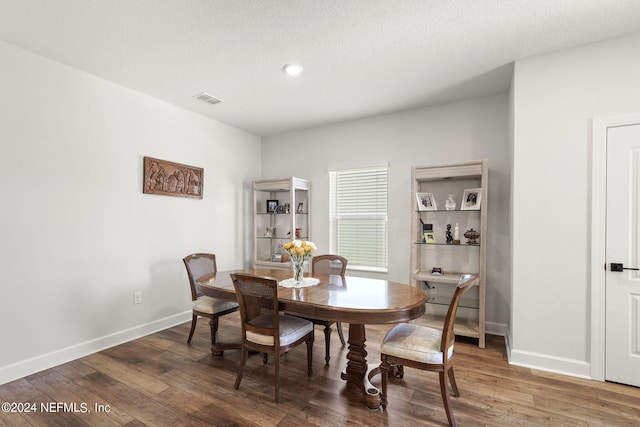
(468, 300)
(426, 276)
(281, 213)
(287, 238)
(445, 244)
(463, 326)
(449, 211)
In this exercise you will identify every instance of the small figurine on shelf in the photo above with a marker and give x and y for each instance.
(449, 235)
(450, 204)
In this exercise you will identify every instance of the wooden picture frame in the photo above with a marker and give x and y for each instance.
(172, 179)
(426, 202)
(471, 199)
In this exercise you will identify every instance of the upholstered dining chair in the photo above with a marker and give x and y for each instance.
(265, 328)
(425, 348)
(198, 265)
(329, 264)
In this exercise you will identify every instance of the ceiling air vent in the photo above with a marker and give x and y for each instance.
(204, 96)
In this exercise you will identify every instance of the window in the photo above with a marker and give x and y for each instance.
(358, 215)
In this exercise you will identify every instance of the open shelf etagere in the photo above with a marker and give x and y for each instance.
(292, 191)
(444, 180)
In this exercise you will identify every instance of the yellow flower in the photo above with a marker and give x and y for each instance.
(299, 248)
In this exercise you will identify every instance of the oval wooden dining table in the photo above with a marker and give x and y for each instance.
(357, 301)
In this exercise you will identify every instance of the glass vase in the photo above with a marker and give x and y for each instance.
(298, 267)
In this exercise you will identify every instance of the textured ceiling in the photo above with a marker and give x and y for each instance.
(361, 57)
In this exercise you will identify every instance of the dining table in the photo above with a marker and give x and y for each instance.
(358, 301)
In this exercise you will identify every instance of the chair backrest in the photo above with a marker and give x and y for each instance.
(257, 295)
(448, 337)
(199, 265)
(329, 264)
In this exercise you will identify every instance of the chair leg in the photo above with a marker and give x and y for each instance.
(243, 362)
(277, 374)
(310, 356)
(327, 342)
(452, 380)
(194, 320)
(384, 373)
(213, 323)
(445, 399)
(340, 334)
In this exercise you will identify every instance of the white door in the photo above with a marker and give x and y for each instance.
(622, 356)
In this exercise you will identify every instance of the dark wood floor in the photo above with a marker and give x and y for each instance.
(159, 380)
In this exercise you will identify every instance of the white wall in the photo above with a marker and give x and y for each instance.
(77, 236)
(555, 98)
(468, 130)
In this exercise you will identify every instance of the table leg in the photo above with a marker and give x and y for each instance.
(358, 370)
(219, 348)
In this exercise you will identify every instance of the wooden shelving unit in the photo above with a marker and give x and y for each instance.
(453, 259)
(293, 196)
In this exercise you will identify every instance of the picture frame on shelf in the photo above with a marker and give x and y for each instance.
(272, 206)
(276, 258)
(471, 199)
(429, 237)
(426, 202)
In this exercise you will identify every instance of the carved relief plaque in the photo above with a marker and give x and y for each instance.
(172, 179)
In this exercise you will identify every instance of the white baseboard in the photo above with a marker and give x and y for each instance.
(545, 362)
(46, 361)
(541, 362)
(499, 329)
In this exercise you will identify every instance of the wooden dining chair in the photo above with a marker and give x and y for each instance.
(198, 265)
(265, 328)
(425, 348)
(329, 264)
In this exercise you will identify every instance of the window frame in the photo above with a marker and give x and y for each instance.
(382, 251)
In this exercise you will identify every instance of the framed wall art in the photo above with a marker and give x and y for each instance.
(172, 179)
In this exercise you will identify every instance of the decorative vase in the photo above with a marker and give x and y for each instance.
(298, 266)
(473, 236)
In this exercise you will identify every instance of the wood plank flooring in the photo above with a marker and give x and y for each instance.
(160, 380)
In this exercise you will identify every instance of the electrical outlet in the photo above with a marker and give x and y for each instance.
(137, 297)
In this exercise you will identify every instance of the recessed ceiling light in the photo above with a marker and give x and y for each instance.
(293, 70)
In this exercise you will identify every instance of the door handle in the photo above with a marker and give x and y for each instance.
(619, 267)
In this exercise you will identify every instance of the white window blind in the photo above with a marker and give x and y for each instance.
(358, 212)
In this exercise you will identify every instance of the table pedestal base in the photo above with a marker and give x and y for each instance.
(358, 371)
(218, 349)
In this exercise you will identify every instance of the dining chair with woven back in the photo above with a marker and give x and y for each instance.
(199, 265)
(336, 265)
(265, 329)
(426, 348)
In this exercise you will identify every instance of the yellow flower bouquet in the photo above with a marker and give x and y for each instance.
(298, 251)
